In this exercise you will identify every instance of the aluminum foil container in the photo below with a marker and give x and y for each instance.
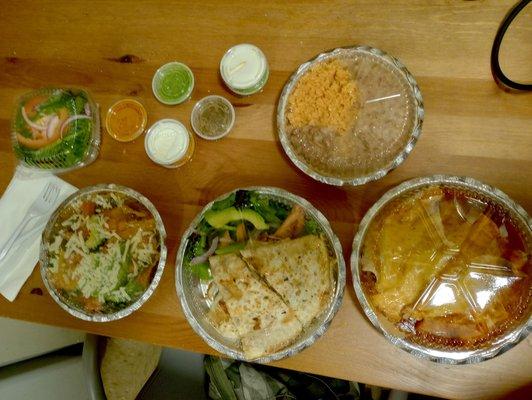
(373, 55)
(47, 239)
(192, 292)
(497, 346)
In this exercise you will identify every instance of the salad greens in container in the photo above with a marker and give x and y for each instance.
(260, 274)
(242, 211)
(56, 129)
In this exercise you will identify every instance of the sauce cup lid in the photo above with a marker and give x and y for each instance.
(200, 106)
(167, 141)
(173, 83)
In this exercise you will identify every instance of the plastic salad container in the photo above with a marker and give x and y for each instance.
(56, 129)
(442, 266)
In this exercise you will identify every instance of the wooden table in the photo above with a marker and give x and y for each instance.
(471, 128)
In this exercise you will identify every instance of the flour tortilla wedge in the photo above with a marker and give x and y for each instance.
(126, 366)
(299, 270)
(221, 320)
(262, 320)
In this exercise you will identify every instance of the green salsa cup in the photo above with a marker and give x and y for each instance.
(173, 83)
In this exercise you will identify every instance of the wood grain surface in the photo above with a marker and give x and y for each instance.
(471, 128)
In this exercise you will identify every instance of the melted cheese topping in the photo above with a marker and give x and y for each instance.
(99, 274)
(440, 268)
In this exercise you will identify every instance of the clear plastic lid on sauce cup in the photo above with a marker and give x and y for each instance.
(213, 117)
(169, 143)
(244, 69)
(173, 83)
(126, 120)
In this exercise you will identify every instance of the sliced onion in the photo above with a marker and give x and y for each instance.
(204, 257)
(72, 119)
(52, 126)
(503, 231)
(30, 122)
(87, 109)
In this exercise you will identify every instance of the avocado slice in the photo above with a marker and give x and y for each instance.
(95, 239)
(220, 218)
(232, 248)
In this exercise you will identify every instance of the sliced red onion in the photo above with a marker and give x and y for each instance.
(205, 256)
(72, 119)
(52, 126)
(87, 109)
(30, 122)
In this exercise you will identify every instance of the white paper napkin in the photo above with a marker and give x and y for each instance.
(23, 189)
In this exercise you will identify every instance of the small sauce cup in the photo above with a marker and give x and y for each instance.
(173, 83)
(126, 120)
(244, 69)
(169, 143)
(213, 117)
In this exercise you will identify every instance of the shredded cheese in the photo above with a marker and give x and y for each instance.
(54, 247)
(100, 274)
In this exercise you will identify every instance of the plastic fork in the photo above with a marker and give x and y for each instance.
(42, 204)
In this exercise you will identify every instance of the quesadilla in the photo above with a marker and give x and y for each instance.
(298, 270)
(221, 320)
(262, 320)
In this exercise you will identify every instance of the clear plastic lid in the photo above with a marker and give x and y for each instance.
(126, 120)
(173, 83)
(447, 267)
(56, 129)
(243, 66)
(168, 143)
(213, 117)
(349, 116)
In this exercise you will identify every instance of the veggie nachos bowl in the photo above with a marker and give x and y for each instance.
(103, 252)
(260, 274)
(56, 129)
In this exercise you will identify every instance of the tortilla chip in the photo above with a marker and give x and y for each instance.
(126, 366)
